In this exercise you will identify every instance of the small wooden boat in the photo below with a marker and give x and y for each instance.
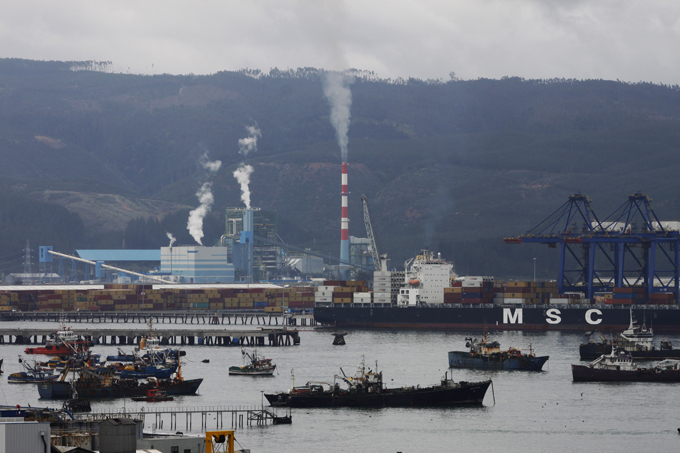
(256, 366)
(154, 396)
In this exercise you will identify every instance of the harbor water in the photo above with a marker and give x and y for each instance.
(533, 411)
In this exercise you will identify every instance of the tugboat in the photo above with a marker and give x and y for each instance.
(618, 366)
(255, 366)
(32, 374)
(64, 342)
(484, 355)
(366, 389)
(154, 396)
(636, 340)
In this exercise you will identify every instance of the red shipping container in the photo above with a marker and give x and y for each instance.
(473, 300)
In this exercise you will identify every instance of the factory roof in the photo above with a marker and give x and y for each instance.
(120, 255)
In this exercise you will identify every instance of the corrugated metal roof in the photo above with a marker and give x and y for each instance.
(120, 255)
(48, 287)
(215, 286)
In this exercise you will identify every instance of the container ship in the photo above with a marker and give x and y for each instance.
(429, 295)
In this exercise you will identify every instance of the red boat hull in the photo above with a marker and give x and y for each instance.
(59, 349)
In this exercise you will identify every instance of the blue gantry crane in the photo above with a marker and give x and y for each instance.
(630, 247)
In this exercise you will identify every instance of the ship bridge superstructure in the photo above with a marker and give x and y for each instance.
(425, 278)
(630, 247)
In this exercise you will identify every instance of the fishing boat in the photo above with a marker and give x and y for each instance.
(487, 355)
(366, 389)
(255, 365)
(144, 370)
(104, 383)
(153, 396)
(121, 357)
(33, 373)
(637, 340)
(618, 366)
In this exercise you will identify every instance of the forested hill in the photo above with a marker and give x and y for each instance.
(454, 165)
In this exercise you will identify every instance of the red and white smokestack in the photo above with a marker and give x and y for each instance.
(344, 224)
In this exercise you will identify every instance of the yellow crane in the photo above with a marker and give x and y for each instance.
(215, 441)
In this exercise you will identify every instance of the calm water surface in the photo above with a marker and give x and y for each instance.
(533, 412)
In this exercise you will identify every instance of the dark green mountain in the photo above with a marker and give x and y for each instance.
(454, 165)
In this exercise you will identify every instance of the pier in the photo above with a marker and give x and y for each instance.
(221, 317)
(168, 337)
(208, 417)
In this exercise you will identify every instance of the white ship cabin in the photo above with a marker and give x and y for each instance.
(425, 278)
(616, 360)
(150, 343)
(65, 335)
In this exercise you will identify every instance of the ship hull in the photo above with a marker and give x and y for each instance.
(62, 390)
(666, 319)
(469, 394)
(583, 373)
(60, 349)
(459, 359)
(591, 351)
(237, 371)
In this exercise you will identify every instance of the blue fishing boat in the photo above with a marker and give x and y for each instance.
(32, 374)
(144, 371)
(487, 355)
(121, 357)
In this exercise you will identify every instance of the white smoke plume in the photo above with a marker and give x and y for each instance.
(242, 175)
(213, 166)
(336, 89)
(205, 197)
(248, 144)
(195, 223)
(171, 237)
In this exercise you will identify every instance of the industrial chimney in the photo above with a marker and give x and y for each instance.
(344, 226)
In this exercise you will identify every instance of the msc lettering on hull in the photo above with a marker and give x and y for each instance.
(593, 316)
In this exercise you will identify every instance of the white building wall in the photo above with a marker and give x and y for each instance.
(24, 437)
(197, 263)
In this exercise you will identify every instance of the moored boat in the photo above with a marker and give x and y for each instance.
(32, 374)
(112, 387)
(366, 389)
(485, 355)
(63, 342)
(618, 366)
(637, 340)
(103, 383)
(153, 396)
(255, 365)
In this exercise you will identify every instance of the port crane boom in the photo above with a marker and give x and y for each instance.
(371, 238)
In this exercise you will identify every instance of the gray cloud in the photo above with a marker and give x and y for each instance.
(626, 40)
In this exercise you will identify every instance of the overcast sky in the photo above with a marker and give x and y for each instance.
(628, 40)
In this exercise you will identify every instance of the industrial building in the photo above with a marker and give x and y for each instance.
(197, 264)
(252, 260)
(249, 251)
